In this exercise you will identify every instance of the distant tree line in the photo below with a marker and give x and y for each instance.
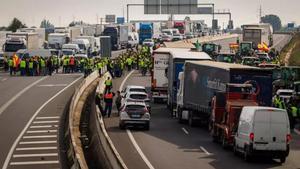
(17, 24)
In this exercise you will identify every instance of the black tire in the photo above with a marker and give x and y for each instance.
(282, 159)
(235, 151)
(247, 156)
(179, 115)
(224, 142)
(122, 126)
(191, 121)
(147, 126)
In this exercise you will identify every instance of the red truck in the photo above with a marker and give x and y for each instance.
(180, 26)
(226, 110)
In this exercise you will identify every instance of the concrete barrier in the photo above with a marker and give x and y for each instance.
(75, 154)
(101, 146)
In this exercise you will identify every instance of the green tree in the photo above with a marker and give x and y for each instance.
(16, 24)
(46, 24)
(274, 20)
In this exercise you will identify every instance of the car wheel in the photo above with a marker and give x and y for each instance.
(282, 159)
(247, 156)
(122, 126)
(191, 121)
(147, 126)
(179, 115)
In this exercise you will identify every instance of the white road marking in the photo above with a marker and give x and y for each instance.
(47, 136)
(185, 131)
(36, 155)
(36, 148)
(37, 142)
(44, 118)
(129, 133)
(33, 162)
(124, 81)
(43, 122)
(10, 153)
(205, 151)
(4, 79)
(9, 102)
(36, 127)
(41, 131)
(297, 131)
(53, 85)
(137, 147)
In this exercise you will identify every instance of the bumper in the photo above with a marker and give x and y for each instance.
(137, 122)
(269, 153)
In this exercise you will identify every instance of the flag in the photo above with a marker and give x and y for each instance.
(16, 60)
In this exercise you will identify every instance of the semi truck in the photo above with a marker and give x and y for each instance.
(40, 31)
(168, 62)
(180, 26)
(118, 34)
(258, 33)
(145, 31)
(20, 40)
(57, 40)
(200, 81)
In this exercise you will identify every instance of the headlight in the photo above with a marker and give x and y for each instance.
(147, 116)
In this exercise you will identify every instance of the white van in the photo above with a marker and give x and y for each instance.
(83, 44)
(263, 131)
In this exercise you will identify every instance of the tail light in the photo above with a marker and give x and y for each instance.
(288, 138)
(251, 136)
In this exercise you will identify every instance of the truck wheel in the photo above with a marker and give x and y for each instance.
(282, 159)
(122, 126)
(191, 121)
(179, 115)
(247, 156)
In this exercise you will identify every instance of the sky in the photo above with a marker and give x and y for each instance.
(62, 12)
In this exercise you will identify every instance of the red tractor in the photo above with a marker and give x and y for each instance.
(226, 110)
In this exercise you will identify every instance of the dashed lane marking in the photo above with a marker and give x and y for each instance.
(29, 123)
(205, 151)
(9, 102)
(37, 127)
(185, 131)
(41, 131)
(43, 122)
(34, 162)
(36, 148)
(36, 155)
(44, 118)
(49, 136)
(37, 142)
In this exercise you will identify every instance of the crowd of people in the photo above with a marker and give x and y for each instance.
(139, 60)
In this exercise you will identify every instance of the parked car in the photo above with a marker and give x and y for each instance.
(189, 35)
(134, 113)
(166, 38)
(263, 131)
(133, 88)
(148, 42)
(137, 97)
(285, 94)
(177, 37)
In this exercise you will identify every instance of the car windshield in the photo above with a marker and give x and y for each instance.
(176, 34)
(286, 93)
(137, 90)
(147, 40)
(138, 96)
(68, 52)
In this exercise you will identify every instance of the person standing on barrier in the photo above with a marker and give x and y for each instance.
(108, 99)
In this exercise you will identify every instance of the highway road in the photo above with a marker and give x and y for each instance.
(169, 144)
(30, 112)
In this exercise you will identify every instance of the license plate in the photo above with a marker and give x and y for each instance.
(135, 116)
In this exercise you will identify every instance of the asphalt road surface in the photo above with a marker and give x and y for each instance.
(169, 144)
(30, 112)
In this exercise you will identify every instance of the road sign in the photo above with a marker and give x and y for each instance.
(151, 6)
(120, 20)
(205, 10)
(214, 24)
(110, 18)
(179, 6)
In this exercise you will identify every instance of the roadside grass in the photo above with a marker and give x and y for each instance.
(295, 55)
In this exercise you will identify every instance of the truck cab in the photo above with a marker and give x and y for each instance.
(226, 109)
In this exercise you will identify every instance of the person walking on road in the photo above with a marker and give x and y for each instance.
(108, 99)
(118, 101)
(108, 84)
(49, 66)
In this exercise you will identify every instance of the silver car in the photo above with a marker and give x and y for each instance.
(134, 113)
